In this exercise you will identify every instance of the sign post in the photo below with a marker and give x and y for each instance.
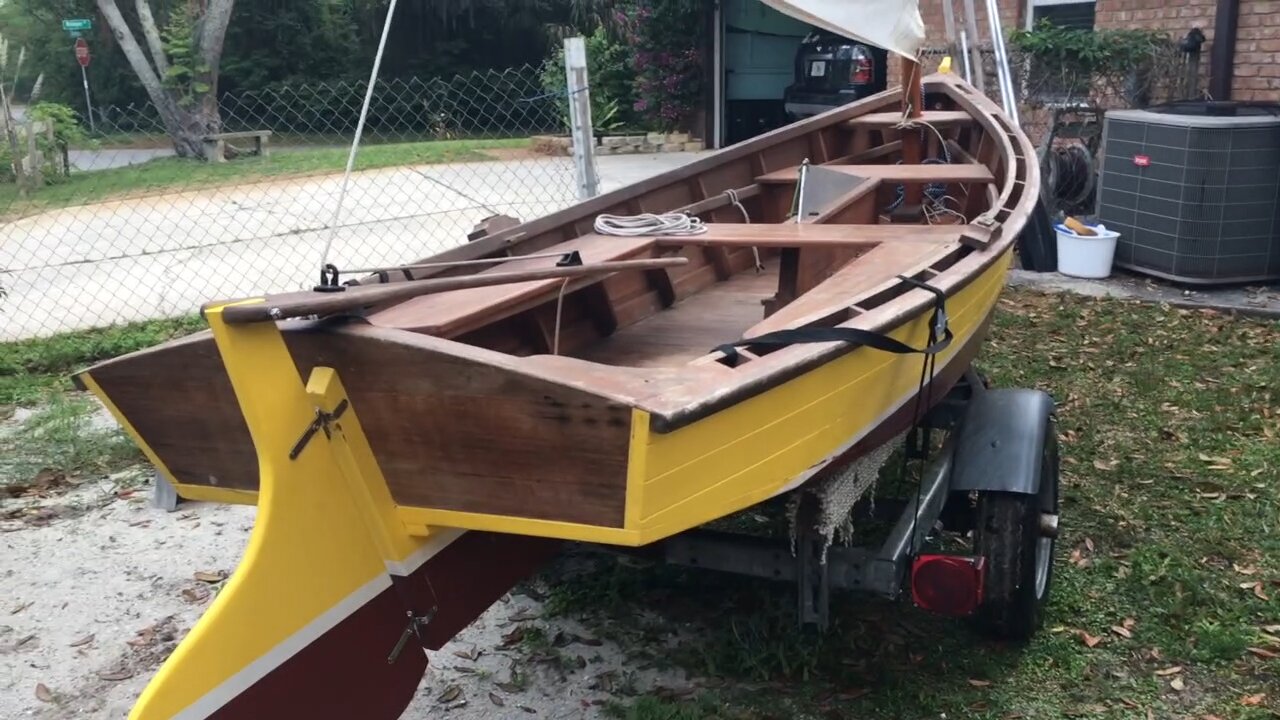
(83, 58)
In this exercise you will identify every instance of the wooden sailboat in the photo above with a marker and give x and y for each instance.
(417, 442)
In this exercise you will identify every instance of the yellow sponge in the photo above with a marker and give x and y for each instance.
(1078, 227)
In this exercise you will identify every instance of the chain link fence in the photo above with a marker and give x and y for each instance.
(120, 230)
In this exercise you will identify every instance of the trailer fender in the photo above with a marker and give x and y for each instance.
(1000, 441)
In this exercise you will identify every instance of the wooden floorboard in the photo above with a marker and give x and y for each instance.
(692, 327)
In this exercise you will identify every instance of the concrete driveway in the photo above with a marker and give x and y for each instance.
(163, 256)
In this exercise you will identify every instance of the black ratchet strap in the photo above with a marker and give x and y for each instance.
(940, 335)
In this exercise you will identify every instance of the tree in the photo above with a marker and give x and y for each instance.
(181, 75)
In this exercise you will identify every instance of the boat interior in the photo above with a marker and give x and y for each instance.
(778, 251)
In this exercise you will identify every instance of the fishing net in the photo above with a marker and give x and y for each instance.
(836, 495)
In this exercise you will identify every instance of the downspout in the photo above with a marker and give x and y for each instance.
(1222, 53)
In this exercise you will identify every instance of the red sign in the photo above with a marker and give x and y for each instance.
(82, 52)
(1142, 160)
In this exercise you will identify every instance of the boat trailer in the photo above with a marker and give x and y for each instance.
(994, 477)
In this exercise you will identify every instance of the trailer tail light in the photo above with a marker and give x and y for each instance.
(948, 584)
(861, 66)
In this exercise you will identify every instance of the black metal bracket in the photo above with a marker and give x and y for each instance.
(570, 259)
(329, 280)
(320, 423)
(412, 630)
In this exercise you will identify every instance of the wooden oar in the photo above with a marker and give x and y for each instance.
(303, 304)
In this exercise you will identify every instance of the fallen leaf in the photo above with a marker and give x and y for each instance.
(528, 709)
(1263, 653)
(1177, 684)
(1259, 590)
(1089, 640)
(43, 693)
(1121, 631)
(1244, 569)
(1253, 700)
(1104, 465)
(496, 699)
(508, 687)
(115, 675)
(194, 595)
(471, 654)
(1088, 542)
(1169, 671)
(82, 641)
(451, 693)
(21, 607)
(514, 637)
(979, 683)
(211, 576)
(1128, 623)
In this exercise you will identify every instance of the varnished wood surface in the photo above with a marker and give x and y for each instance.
(689, 329)
(783, 235)
(457, 311)
(877, 267)
(936, 118)
(454, 432)
(303, 304)
(894, 173)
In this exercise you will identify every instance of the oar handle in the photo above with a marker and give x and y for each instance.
(304, 304)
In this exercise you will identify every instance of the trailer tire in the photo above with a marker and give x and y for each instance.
(1018, 554)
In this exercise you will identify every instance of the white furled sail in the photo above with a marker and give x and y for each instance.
(894, 25)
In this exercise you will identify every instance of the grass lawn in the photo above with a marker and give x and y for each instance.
(1166, 601)
(63, 436)
(174, 174)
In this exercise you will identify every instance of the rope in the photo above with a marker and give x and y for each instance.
(555, 337)
(355, 141)
(649, 224)
(737, 202)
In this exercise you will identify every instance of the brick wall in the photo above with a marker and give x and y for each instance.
(1257, 68)
(1256, 75)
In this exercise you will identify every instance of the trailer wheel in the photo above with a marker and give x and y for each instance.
(1016, 534)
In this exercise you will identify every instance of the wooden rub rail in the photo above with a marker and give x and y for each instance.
(304, 304)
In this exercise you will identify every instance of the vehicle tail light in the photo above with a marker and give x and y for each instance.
(861, 66)
(948, 584)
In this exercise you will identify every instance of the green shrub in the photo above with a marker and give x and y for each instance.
(609, 75)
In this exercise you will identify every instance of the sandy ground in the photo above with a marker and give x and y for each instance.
(97, 587)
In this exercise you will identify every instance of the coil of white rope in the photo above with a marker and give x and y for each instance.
(649, 224)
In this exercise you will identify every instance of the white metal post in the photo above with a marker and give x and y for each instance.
(88, 104)
(580, 129)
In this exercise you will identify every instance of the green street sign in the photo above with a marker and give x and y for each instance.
(78, 25)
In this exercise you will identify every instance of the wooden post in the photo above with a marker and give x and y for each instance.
(912, 154)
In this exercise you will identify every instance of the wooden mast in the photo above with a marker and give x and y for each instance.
(912, 153)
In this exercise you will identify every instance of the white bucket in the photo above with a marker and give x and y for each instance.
(1086, 256)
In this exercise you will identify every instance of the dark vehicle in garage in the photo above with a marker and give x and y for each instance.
(830, 71)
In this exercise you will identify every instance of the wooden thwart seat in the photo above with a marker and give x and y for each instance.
(953, 173)
(784, 235)
(936, 118)
(870, 270)
(452, 313)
